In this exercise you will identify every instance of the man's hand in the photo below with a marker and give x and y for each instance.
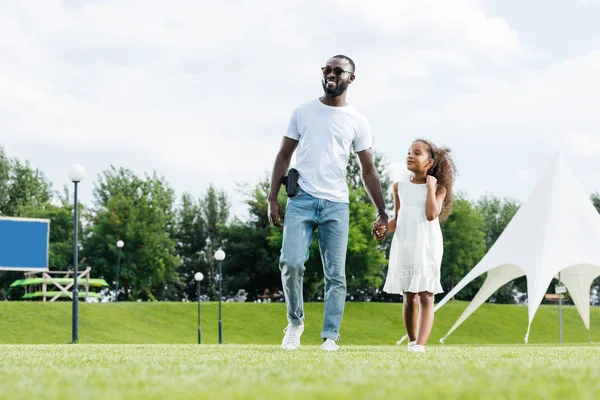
(380, 227)
(282, 162)
(275, 214)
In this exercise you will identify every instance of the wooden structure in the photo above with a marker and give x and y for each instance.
(554, 298)
(267, 296)
(60, 284)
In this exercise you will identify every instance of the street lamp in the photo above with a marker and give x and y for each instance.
(120, 245)
(76, 174)
(198, 277)
(220, 256)
(560, 289)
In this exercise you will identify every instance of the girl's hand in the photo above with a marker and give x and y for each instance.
(380, 228)
(431, 182)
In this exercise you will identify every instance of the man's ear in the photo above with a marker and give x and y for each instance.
(351, 78)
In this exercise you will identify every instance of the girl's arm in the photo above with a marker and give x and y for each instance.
(435, 199)
(392, 222)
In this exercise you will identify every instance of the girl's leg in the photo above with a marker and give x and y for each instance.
(426, 314)
(410, 315)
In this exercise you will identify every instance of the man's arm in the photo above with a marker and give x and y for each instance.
(282, 163)
(370, 178)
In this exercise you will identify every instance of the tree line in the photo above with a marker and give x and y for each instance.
(168, 238)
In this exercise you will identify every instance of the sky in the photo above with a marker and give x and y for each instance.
(201, 91)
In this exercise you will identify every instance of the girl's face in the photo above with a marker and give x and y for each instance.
(418, 159)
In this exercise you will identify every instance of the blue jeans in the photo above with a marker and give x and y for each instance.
(303, 214)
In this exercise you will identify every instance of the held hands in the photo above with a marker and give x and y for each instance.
(380, 228)
(431, 182)
(275, 214)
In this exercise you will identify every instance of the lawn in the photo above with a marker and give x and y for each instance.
(265, 372)
(148, 350)
(254, 323)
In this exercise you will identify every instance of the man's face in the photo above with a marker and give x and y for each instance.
(337, 75)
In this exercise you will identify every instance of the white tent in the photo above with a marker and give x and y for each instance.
(556, 231)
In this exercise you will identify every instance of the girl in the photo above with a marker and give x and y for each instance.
(421, 201)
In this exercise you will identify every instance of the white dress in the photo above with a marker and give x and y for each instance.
(417, 246)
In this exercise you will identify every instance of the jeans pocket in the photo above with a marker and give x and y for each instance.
(299, 193)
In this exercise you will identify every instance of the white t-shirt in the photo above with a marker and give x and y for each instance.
(325, 137)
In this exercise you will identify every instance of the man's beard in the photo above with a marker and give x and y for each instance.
(339, 88)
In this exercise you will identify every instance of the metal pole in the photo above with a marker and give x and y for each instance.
(220, 314)
(199, 331)
(75, 271)
(118, 269)
(560, 311)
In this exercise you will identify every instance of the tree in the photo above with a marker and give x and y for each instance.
(595, 197)
(354, 180)
(21, 187)
(199, 233)
(252, 261)
(191, 239)
(496, 213)
(139, 212)
(4, 180)
(464, 246)
(215, 210)
(60, 257)
(365, 258)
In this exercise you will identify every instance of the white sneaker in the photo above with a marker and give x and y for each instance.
(329, 345)
(411, 344)
(291, 340)
(417, 348)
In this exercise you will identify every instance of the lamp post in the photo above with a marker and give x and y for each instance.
(76, 174)
(560, 322)
(220, 256)
(120, 245)
(198, 277)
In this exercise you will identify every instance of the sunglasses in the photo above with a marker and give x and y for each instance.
(337, 71)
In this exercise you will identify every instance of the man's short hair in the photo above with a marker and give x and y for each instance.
(348, 59)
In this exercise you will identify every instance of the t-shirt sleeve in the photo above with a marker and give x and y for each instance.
(292, 128)
(363, 139)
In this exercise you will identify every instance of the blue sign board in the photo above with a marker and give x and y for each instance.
(24, 244)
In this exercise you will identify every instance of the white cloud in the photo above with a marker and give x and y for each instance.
(585, 145)
(459, 25)
(523, 175)
(538, 103)
(202, 91)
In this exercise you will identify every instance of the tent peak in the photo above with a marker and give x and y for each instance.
(556, 230)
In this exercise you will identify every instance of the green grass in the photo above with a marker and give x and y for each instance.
(253, 323)
(267, 372)
(250, 365)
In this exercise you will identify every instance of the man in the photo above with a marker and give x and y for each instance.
(323, 130)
